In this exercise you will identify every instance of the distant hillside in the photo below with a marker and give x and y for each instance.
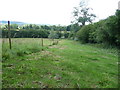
(12, 22)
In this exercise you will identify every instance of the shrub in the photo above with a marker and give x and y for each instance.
(105, 31)
(83, 34)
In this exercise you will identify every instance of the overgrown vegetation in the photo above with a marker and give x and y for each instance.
(105, 31)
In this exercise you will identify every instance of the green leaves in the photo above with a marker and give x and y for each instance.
(53, 35)
(82, 14)
(105, 31)
(83, 34)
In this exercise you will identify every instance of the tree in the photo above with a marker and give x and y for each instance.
(83, 34)
(75, 27)
(105, 31)
(59, 34)
(66, 34)
(45, 27)
(14, 26)
(82, 14)
(53, 35)
(118, 27)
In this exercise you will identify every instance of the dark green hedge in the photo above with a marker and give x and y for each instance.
(105, 31)
(26, 33)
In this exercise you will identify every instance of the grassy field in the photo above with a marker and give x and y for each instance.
(22, 47)
(66, 65)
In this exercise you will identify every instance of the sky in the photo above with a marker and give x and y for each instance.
(52, 12)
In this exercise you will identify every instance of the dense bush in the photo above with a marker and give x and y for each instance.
(118, 27)
(83, 34)
(59, 34)
(66, 34)
(105, 31)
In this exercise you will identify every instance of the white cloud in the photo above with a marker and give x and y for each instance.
(50, 11)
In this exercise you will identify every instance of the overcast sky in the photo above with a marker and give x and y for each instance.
(51, 11)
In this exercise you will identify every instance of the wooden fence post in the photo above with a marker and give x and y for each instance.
(42, 43)
(9, 34)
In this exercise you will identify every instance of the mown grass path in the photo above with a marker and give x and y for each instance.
(66, 65)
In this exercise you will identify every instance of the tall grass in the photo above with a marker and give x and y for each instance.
(22, 46)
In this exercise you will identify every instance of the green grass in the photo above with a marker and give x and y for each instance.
(21, 47)
(66, 65)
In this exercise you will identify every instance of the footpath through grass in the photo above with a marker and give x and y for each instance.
(66, 65)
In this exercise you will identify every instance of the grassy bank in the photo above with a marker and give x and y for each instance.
(66, 65)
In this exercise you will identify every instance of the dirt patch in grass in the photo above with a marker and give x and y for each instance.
(54, 46)
(62, 48)
(46, 53)
(59, 47)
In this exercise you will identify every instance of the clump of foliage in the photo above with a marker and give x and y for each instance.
(83, 34)
(82, 14)
(105, 31)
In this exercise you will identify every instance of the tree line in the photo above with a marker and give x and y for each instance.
(105, 31)
(35, 31)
